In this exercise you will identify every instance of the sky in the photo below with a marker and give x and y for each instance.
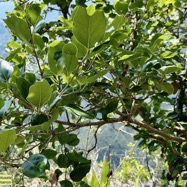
(5, 7)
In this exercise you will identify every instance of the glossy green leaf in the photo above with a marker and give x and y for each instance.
(19, 27)
(79, 172)
(38, 119)
(7, 137)
(70, 139)
(167, 54)
(35, 166)
(167, 87)
(64, 161)
(111, 107)
(70, 61)
(77, 157)
(49, 153)
(169, 69)
(66, 183)
(45, 126)
(39, 93)
(88, 30)
(76, 110)
(84, 184)
(5, 70)
(23, 86)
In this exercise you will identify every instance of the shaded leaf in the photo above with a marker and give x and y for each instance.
(79, 172)
(76, 110)
(35, 166)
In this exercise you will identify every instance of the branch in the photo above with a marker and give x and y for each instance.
(156, 131)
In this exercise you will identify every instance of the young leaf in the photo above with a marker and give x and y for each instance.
(39, 93)
(94, 181)
(105, 171)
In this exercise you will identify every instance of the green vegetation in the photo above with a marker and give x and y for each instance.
(98, 64)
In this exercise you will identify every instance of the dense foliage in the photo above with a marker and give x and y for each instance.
(97, 64)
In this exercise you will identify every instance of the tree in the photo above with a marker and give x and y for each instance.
(97, 64)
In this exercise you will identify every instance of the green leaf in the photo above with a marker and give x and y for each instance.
(184, 148)
(105, 171)
(45, 126)
(38, 41)
(38, 119)
(167, 54)
(66, 183)
(49, 153)
(93, 78)
(70, 139)
(79, 172)
(94, 181)
(7, 137)
(76, 110)
(111, 107)
(35, 166)
(23, 86)
(77, 157)
(1, 103)
(39, 93)
(121, 7)
(88, 30)
(81, 49)
(184, 176)
(169, 69)
(167, 87)
(84, 184)
(69, 57)
(19, 27)
(55, 59)
(64, 161)
(5, 70)
(33, 14)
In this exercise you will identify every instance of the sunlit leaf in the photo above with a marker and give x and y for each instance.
(88, 29)
(7, 137)
(39, 93)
